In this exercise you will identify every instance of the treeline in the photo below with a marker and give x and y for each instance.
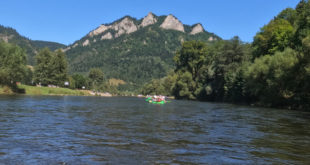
(50, 68)
(272, 71)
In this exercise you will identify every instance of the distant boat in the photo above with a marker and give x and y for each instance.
(155, 100)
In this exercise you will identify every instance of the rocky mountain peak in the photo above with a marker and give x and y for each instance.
(173, 23)
(148, 20)
(99, 30)
(125, 26)
(197, 29)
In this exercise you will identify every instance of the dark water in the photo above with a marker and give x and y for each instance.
(94, 130)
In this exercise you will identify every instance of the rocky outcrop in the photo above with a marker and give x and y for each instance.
(125, 26)
(197, 29)
(99, 30)
(148, 20)
(107, 36)
(66, 49)
(85, 43)
(6, 38)
(75, 45)
(172, 23)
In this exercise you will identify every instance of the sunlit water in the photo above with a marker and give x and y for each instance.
(123, 130)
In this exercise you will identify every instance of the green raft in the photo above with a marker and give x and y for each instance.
(149, 99)
(157, 102)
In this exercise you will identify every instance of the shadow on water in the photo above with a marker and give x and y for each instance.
(286, 139)
(125, 130)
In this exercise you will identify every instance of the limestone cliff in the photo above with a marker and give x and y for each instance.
(107, 36)
(197, 29)
(99, 30)
(172, 23)
(126, 25)
(148, 20)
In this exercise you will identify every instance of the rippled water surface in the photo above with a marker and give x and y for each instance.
(123, 130)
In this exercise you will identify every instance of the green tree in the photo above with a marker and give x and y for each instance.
(43, 69)
(51, 67)
(59, 68)
(302, 22)
(96, 77)
(191, 57)
(190, 60)
(268, 80)
(185, 87)
(80, 81)
(288, 14)
(228, 58)
(12, 64)
(28, 78)
(275, 36)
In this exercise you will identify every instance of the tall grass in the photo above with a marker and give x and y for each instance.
(33, 90)
(5, 90)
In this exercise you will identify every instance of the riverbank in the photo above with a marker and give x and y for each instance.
(5, 90)
(33, 90)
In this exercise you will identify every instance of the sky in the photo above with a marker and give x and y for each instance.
(66, 21)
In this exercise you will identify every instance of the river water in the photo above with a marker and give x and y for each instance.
(125, 130)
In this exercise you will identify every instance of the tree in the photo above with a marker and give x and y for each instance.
(43, 69)
(96, 77)
(268, 80)
(302, 22)
(51, 67)
(12, 64)
(275, 36)
(191, 57)
(185, 87)
(59, 68)
(228, 59)
(288, 14)
(190, 60)
(79, 81)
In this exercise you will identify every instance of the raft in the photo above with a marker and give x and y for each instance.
(149, 99)
(157, 102)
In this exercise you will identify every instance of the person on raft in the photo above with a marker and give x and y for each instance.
(158, 98)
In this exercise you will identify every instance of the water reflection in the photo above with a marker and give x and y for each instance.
(286, 139)
(95, 130)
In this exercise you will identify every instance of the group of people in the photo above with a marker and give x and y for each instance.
(156, 98)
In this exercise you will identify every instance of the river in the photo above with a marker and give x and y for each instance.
(128, 130)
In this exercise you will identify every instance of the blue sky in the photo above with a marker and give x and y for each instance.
(66, 21)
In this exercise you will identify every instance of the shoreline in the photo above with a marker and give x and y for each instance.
(50, 91)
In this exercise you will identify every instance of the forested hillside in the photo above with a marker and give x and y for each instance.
(134, 51)
(31, 47)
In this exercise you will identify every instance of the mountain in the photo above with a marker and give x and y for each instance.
(132, 50)
(31, 47)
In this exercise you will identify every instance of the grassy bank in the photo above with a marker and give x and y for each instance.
(5, 90)
(33, 90)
